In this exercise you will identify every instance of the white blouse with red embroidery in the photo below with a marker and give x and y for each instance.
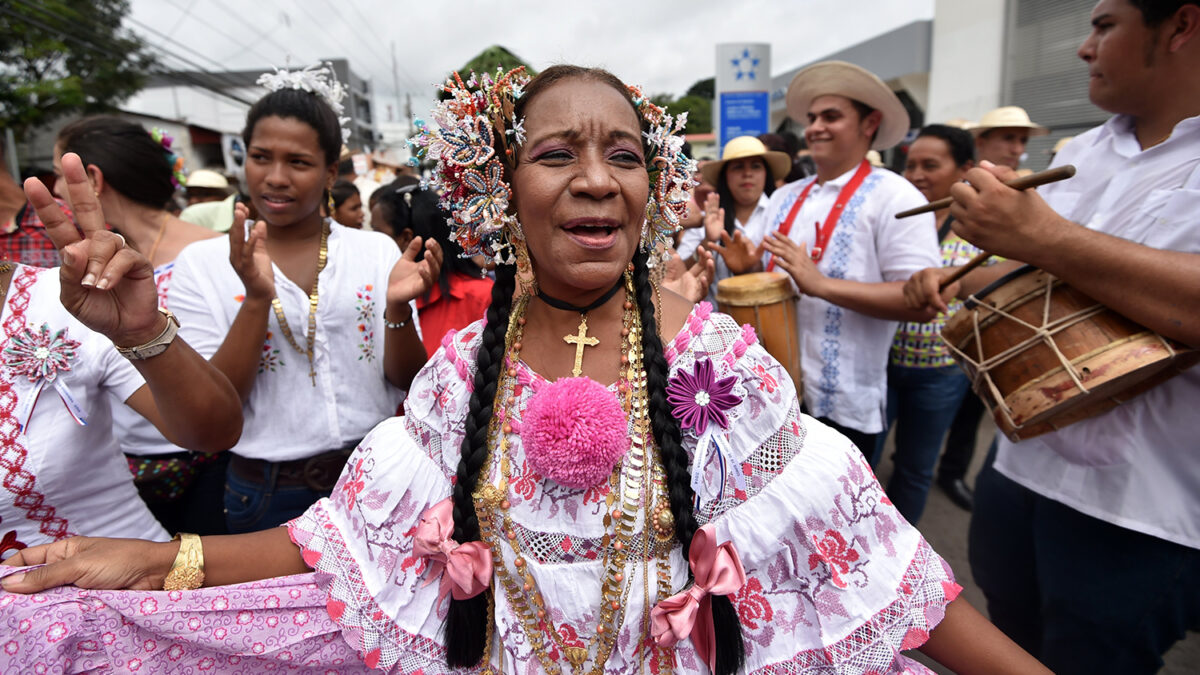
(61, 470)
(837, 580)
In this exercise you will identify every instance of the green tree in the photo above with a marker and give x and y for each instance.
(706, 88)
(699, 111)
(61, 56)
(487, 61)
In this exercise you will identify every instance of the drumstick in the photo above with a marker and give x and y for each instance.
(1032, 180)
(960, 272)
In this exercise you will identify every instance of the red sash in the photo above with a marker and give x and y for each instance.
(824, 232)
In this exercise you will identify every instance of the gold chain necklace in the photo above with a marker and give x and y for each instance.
(626, 483)
(158, 238)
(313, 296)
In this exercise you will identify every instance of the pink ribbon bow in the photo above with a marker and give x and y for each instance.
(716, 570)
(466, 569)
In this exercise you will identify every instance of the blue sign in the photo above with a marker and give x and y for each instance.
(743, 113)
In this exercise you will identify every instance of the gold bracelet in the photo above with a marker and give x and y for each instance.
(187, 572)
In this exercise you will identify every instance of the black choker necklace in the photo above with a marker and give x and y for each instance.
(566, 306)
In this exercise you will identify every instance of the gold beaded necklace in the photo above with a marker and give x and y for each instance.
(313, 296)
(627, 483)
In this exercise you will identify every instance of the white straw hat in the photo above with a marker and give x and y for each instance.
(204, 178)
(1009, 116)
(748, 146)
(854, 82)
(1062, 143)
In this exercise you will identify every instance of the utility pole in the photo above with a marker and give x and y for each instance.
(396, 85)
(408, 113)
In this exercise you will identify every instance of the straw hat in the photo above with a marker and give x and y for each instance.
(854, 82)
(204, 178)
(748, 146)
(1062, 143)
(1008, 116)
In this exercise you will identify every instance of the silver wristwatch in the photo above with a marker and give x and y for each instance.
(156, 346)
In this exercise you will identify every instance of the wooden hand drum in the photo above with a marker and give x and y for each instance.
(767, 301)
(1043, 355)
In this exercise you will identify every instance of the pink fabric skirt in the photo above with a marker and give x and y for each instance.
(272, 625)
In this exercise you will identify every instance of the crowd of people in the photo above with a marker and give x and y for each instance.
(490, 418)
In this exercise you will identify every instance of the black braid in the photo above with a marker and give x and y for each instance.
(467, 620)
(731, 651)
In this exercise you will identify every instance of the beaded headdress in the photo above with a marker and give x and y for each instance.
(318, 79)
(477, 121)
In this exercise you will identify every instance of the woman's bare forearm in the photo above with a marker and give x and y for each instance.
(967, 643)
(239, 354)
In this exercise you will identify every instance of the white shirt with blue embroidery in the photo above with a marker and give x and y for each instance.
(843, 354)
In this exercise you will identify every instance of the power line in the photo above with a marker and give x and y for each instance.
(264, 36)
(379, 40)
(219, 74)
(83, 21)
(182, 17)
(375, 54)
(109, 49)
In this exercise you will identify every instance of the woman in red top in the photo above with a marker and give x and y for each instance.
(463, 290)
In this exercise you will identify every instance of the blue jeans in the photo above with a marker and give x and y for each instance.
(252, 506)
(922, 403)
(1081, 594)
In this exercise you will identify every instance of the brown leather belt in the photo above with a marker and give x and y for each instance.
(318, 473)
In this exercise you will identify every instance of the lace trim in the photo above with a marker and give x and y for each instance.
(875, 646)
(365, 626)
(760, 468)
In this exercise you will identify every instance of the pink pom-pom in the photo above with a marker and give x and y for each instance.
(574, 432)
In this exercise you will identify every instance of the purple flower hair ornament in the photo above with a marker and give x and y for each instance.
(699, 401)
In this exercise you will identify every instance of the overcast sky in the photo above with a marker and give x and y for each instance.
(664, 46)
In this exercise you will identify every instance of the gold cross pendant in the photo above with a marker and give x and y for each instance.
(580, 340)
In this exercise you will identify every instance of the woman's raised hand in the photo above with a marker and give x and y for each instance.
(411, 277)
(107, 285)
(249, 256)
(739, 251)
(714, 217)
(690, 282)
(91, 562)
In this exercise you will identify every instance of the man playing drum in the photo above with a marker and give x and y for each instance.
(836, 236)
(1086, 540)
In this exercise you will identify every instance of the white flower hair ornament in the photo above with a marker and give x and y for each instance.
(318, 79)
(478, 119)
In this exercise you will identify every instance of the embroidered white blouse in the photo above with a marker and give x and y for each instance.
(58, 477)
(837, 580)
(135, 433)
(1136, 465)
(287, 416)
(844, 354)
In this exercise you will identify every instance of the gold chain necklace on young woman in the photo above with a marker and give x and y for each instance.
(313, 296)
(162, 228)
(627, 482)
